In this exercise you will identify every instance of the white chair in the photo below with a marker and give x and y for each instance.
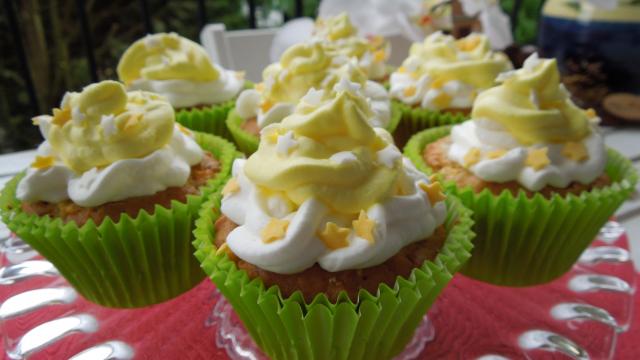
(249, 50)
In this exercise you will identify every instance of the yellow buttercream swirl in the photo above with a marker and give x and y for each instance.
(533, 106)
(469, 59)
(166, 57)
(104, 123)
(318, 131)
(302, 67)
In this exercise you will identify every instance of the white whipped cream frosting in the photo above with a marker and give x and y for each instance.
(184, 93)
(460, 93)
(248, 106)
(166, 167)
(487, 135)
(400, 220)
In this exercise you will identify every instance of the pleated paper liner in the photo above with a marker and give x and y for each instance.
(377, 326)
(248, 143)
(130, 263)
(524, 241)
(209, 119)
(414, 120)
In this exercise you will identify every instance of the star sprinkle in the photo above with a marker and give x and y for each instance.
(265, 106)
(343, 157)
(334, 237)
(61, 116)
(575, 151)
(275, 230)
(313, 97)
(345, 85)
(42, 162)
(533, 97)
(531, 62)
(504, 76)
(240, 74)
(108, 123)
(442, 100)
(184, 130)
(151, 42)
(409, 91)
(364, 226)
(259, 87)
(433, 191)
(472, 157)
(77, 116)
(469, 43)
(225, 249)
(590, 113)
(130, 122)
(286, 143)
(494, 154)
(388, 156)
(230, 187)
(537, 158)
(402, 70)
(438, 83)
(379, 55)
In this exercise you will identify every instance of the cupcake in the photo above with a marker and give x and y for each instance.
(112, 194)
(340, 38)
(440, 79)
(180, 70)
(328, 228)
(301, 68)
(534, 170)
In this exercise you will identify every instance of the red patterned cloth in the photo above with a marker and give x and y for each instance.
(470, 318)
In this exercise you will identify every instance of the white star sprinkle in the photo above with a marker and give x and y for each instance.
(313, 97)
(347, 86)
(286, 143)
(503, 76)
(532, 62)
(77, 116)
(343, 157)
(108, 123)
(151, 41)
(388, 156)
(533, 97)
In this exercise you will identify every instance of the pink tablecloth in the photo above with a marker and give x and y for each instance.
(470, 318)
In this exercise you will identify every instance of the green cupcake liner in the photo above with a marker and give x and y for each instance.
(523, 241)
(414, 120)
(377, 326)
(210, 119)
(130, 263)
(248, 143)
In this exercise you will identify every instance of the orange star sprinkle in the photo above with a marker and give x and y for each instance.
(472, 157)
(364, 226)
(230, 187)
(575, 151)
(275, 230)
(42, 162)
(333, 236)
(538, 159)
(433, 191)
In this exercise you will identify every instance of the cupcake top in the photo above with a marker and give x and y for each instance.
(445, 73)
(301, 68)
(101, 136)
(340, 38)
(178, 69)
(325, 187)
(529, 130)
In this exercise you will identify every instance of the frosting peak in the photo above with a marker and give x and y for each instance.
(533, 106)
(322, 126)
(164, 57)
(104, 123)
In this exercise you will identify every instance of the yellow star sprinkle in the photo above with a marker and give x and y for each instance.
(224, 248)
(442, 100)
(537, 158)
(275, 229)
(259, 87)
(433, 191)
(575, 151)
(240, 74)
(376, 41)
(130, 122)
(402, 69)
(438, 83)
(184, 130)
(496, 153)
(42, 162)
(379, 55)
(590, 113)
(333, 236)
(230, 187)
(364, 226)
(409, 91)
(472, 157)
(265, 106)
(61, 116)
(468, 43)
